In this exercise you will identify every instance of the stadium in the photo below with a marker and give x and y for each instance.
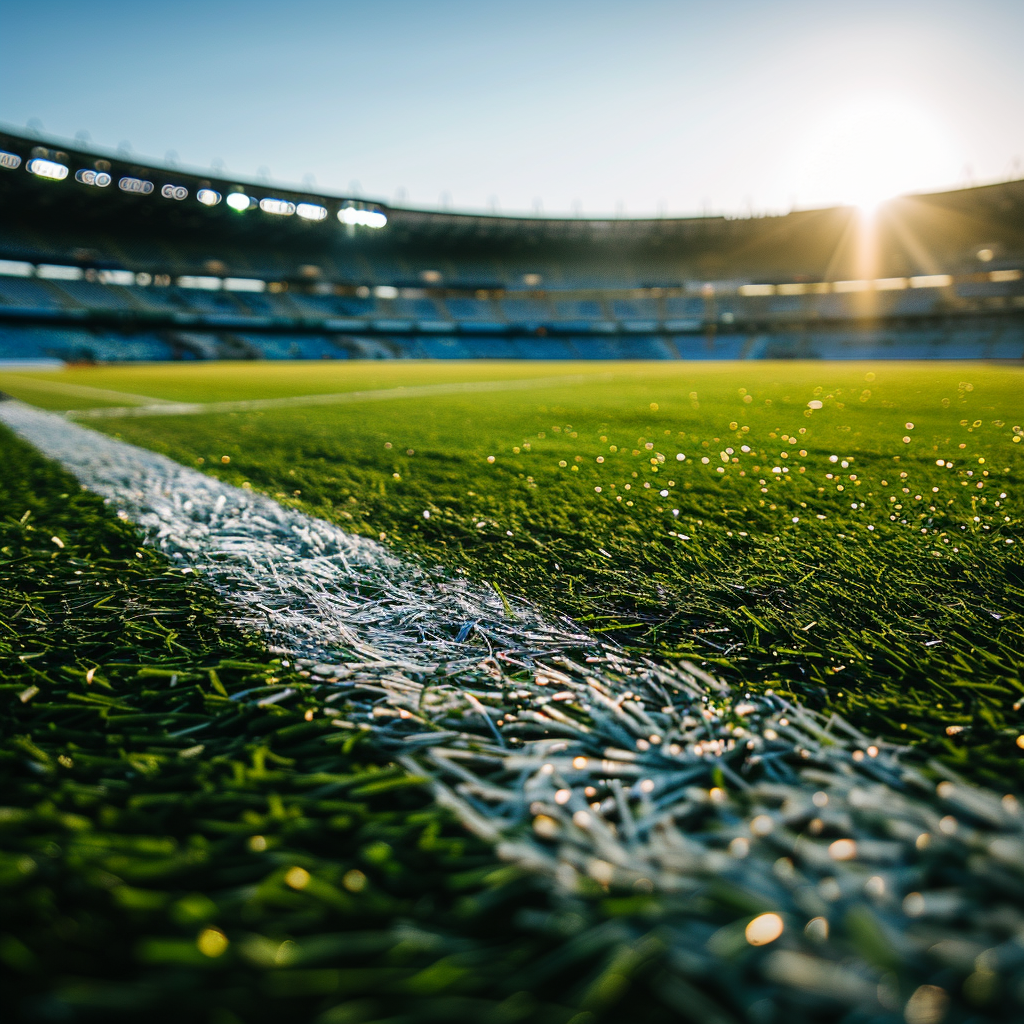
(107, 260)
(413, 616)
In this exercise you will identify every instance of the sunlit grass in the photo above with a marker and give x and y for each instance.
(170, 851)
(212, 382)
(850, 533)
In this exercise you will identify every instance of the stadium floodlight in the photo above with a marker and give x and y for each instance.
(1002, 276)
(353, 216)
(757, 289)
(47, 169)
(118, 277)
(16, 268)
(206, 284)
(238, 201)
(310, 211)
(136, 186)
(9, 161)
(244, 284)
(59, 272)
(208, 197)
(89, 177)
(931, 281)
(278, 207)
(178, 192)
(386, 291)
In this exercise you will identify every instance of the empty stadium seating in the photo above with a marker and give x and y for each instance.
(979, 338)
(91, 276)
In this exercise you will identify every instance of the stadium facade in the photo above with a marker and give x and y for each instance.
(103, 258)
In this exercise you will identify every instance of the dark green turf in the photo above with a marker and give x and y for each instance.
(914, 644)
(133, 787)
(903, 614)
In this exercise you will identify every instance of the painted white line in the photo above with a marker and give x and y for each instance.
(596, 769)
(337, 398)
(31, 365)
(62, 387)
(303, 581)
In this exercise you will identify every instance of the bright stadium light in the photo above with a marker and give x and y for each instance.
(206, 284)
(178, 192)
(47, 169)
(310, 211)
(9, 161)
(208, 197)
(118, 277)
(16, 268)
(278, 207)
(136, 186)
(244, 284)
(238, 201)
(100, 179)
(350, 215)
(59, 272)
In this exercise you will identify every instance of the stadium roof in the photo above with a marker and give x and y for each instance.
(70, 190)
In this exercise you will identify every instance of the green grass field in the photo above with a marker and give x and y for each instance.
(224, 381)
(144, 815)
(885, 585)
(846, 533)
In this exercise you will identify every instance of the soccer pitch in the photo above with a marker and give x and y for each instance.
(859, 554)
(844, 536)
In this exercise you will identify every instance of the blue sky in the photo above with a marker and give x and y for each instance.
(559, 106)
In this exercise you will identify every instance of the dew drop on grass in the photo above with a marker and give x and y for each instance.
(764, 928)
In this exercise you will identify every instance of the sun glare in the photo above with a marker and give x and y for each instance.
(872, 149)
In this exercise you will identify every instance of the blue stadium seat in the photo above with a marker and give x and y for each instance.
(27, 294)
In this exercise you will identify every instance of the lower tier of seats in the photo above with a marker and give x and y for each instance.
(966, 338)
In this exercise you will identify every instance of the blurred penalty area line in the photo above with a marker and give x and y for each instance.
(60, 387)
(161, 408)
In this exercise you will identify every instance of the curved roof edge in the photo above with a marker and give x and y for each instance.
(89, 153)
(431, 222)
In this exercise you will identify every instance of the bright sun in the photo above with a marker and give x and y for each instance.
(871, 149)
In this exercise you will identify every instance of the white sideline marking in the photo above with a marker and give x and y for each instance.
(85, 391)
(304, 582)
(424, 660)
(31, 365)
(335, 398)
